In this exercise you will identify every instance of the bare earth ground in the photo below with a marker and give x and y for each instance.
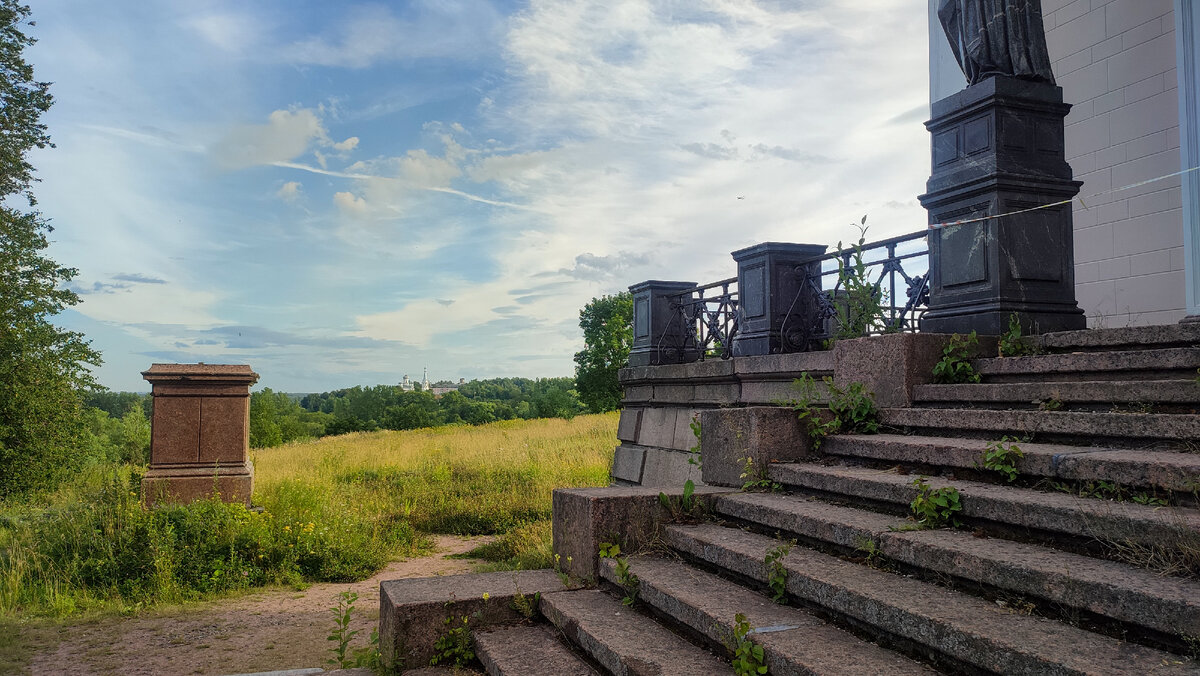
(277, 629)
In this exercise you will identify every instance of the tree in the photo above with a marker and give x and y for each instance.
(43, 368)
(607, 324)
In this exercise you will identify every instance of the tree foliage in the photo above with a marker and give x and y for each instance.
(42, 367)
(607, 324)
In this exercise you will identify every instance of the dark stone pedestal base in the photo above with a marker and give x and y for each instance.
(998, 149)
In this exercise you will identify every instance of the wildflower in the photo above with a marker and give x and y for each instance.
(486, 596)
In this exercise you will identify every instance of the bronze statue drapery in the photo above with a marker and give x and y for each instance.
(997, 37)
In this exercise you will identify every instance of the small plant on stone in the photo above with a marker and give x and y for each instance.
(628, 581)
(1013, 343)
(342, 634)
(454, 647)
(683, 508)
(1049, 404)
(525, 605)
(695, 450)
(872, 556)
(955, 365)
(777, 573)
(861, 309)
(756, 480)
(851, 409)
(935, 507)
(1002, 456)
(749, 659)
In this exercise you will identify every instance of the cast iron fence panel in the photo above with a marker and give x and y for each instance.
(897, 268)
(710, 320)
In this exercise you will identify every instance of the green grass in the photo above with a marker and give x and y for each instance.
(336, 509)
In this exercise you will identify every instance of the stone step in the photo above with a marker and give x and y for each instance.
(1118, 591)
(1125, 338)
(1133, 428)
(527, 650)
(962, 630)
(1161, 470)
(794, 641)
(1180, 392)
(1051, 513)
(622, 640)
(1171, 362)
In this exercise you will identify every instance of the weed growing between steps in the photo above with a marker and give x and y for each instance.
(454, 647)
(756, 479)
(935, 507)
(955, 365)
(1012, 343)
(628, 581)
(852, 409)
(1002, 456)
(777, 572)
(1107, 490)
(749, 659)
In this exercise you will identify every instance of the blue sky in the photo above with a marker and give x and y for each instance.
(344, 193)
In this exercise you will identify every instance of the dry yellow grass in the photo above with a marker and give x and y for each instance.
(464, 480)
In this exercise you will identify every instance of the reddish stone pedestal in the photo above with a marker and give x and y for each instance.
(200, 433)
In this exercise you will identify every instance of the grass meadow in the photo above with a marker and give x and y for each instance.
(335, 509)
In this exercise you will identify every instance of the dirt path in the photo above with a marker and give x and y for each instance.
(258, 632)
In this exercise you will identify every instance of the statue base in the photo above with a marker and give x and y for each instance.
(998, 149)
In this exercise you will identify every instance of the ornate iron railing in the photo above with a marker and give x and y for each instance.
(710, 319)
(890, 275)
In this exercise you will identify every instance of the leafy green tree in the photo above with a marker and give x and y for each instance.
(43, 368)
(607, 324)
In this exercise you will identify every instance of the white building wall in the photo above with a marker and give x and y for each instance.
(1115, 60)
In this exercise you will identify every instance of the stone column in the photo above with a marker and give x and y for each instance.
(998, 148)
(769, 295)
(660, 334)
(200, 433)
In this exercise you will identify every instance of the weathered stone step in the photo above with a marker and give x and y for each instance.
(1124, 338)
(1136, 427)
(965, 629)
(1104, 392)
(1088, 518)
(1166, 470)
(1121, 592)
(1172, 362)
(794, 641)
(527, 650)
(622, 640)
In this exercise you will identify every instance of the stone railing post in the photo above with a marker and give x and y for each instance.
(660, 334)
(200, 433)
(768, 287)
(998, 149)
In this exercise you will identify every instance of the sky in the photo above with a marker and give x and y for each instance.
(343, 193)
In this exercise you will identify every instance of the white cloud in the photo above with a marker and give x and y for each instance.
(290, 191)
(348, 203)
(347, 145)
(286, 135)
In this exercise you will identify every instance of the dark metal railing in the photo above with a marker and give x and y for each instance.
(840, 290)
(709, 315)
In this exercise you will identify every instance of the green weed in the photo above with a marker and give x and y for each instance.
(955, 365)
(1012, 343)
(935, 507)
(628, 581)
(1002, 456)
(749, 659)
(756, 480)
(851, 409)
(454, 647)
(861, 309)
(777, 573)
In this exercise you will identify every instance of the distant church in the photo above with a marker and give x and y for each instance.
(408, 385)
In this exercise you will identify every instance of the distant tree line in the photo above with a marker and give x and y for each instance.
(277, 418)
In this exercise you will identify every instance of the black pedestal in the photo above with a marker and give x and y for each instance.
(660, 332)
(998, 149)
(769, 285)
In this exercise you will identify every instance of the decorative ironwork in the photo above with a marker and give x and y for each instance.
(814, 314)
(709, 315)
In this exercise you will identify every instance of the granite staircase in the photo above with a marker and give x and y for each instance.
(1086, 562)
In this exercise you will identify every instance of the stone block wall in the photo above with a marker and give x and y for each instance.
(1115, 60)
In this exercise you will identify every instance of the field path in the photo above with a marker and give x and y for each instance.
(278, 629)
